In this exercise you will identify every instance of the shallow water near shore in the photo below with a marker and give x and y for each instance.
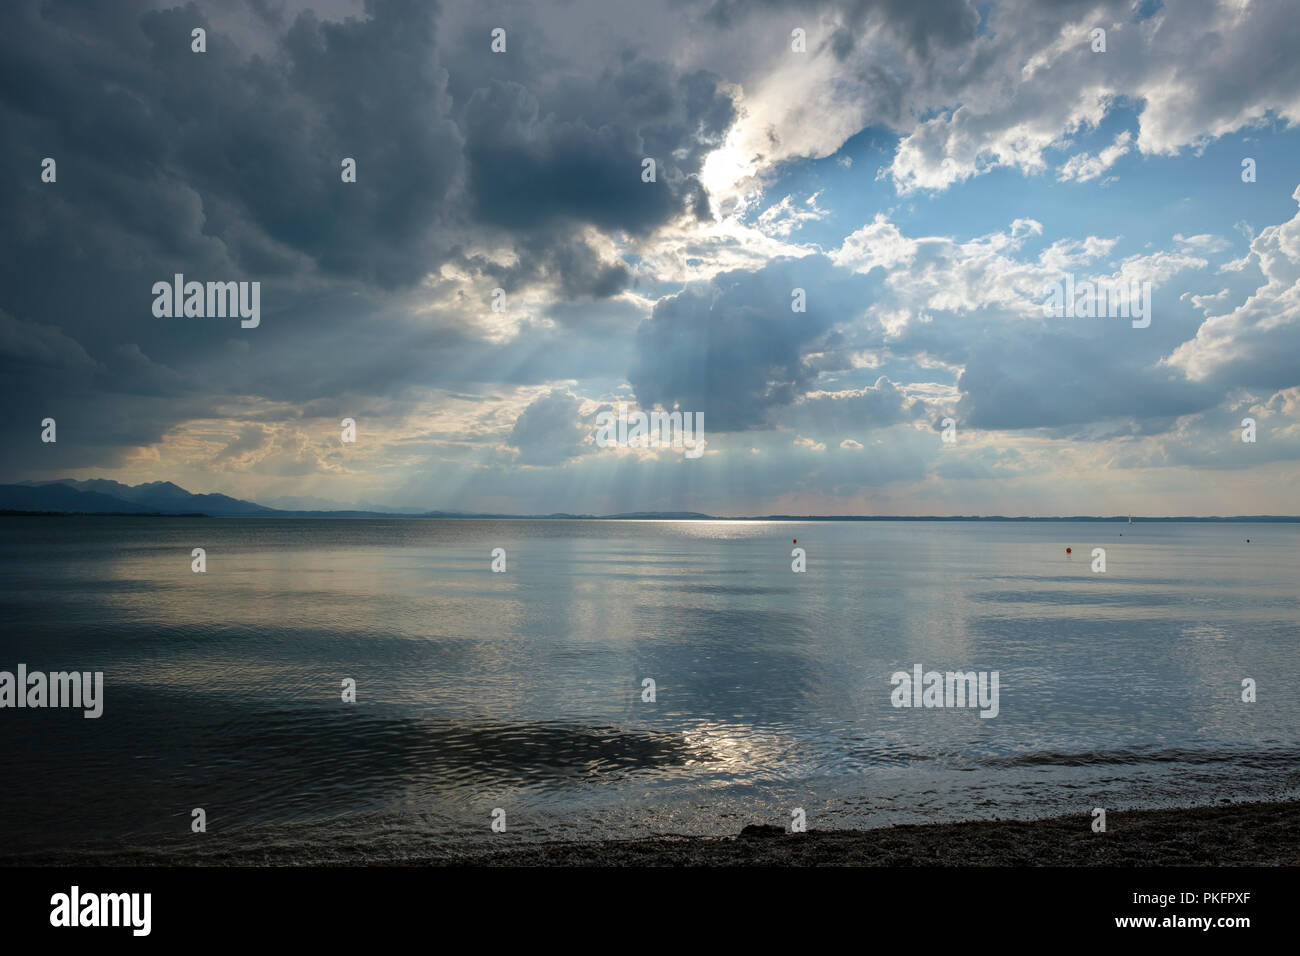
(523, 690)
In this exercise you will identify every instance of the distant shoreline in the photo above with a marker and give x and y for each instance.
(667, 516)
(102, 497)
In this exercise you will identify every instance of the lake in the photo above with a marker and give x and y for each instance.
(525, 692)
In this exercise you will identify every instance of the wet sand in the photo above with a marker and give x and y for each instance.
(1252, 834)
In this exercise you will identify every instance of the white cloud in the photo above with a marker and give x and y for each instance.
(939, 273)
(1082, 166)
(1200, 69)
(1257, 342)
(784, 217)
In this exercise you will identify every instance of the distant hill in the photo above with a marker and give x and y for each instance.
(100, 496)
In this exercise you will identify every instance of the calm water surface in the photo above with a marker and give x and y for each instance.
(522, 690)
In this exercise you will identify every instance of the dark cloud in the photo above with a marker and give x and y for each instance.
(1034, 378)
(530, 168)
(226, 166)
(733, 348)
(192, 157)
(227, 158)
(567, 263)
(548, 432)
(919, 27)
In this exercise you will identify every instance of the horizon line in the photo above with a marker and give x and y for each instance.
(345, 513)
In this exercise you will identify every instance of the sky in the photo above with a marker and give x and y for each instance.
(501, 273)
